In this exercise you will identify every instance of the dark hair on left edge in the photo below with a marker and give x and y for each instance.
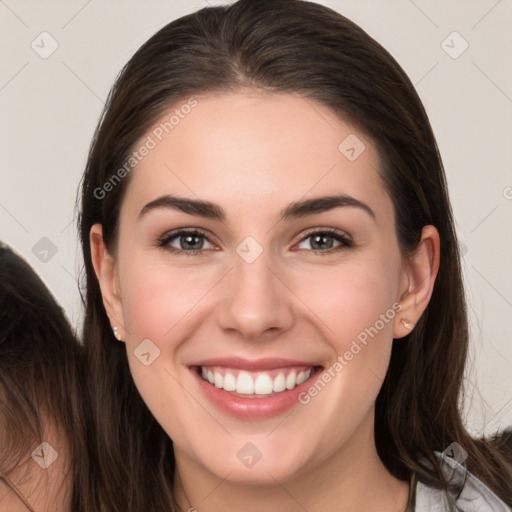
(297, 47)
(42, 383)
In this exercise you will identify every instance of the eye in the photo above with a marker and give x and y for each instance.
(191, 242)
(185, 241)
(323, 241)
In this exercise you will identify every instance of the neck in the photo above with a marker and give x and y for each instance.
(352, 479)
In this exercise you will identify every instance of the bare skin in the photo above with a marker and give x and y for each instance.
(253, 155)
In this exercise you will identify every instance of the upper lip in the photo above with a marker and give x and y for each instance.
(254, 364)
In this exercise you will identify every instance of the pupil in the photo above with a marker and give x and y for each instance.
(189, 240)
(322, 239)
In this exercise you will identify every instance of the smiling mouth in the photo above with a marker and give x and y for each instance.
(262, 384)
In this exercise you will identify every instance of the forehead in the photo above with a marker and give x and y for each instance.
(256, 149)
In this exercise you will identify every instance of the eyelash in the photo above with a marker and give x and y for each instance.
(345, 242)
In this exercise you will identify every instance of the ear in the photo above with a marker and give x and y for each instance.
(106, 273)
(420, 272)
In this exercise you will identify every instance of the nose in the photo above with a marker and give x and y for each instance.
(257, 302)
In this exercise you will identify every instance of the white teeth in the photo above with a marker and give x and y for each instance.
(245, 384)
(291, 380)
(229, 382)
(261, 384)
(301, 378)
(279, 383)
(218, 380)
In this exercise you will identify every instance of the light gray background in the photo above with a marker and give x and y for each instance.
(50, 106)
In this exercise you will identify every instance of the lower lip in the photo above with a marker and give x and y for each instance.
(252, 408)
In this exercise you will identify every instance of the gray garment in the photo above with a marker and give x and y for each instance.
(475, 495)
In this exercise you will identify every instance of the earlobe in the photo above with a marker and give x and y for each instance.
(420, 274)
(105, 269)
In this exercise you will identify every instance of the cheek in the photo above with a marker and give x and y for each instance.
(352, 299)
(156, 297)
(157, 302)
(345, 301)
(358, 303)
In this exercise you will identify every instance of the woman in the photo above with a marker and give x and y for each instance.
(275, 315)
(43, 405)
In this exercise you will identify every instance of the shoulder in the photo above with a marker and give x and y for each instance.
(475, 495)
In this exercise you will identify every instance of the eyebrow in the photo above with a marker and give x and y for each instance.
(294, 210)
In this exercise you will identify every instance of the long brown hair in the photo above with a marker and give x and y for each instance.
(42, 382)
(302, 48)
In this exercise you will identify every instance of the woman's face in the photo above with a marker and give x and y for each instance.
(276, 283)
